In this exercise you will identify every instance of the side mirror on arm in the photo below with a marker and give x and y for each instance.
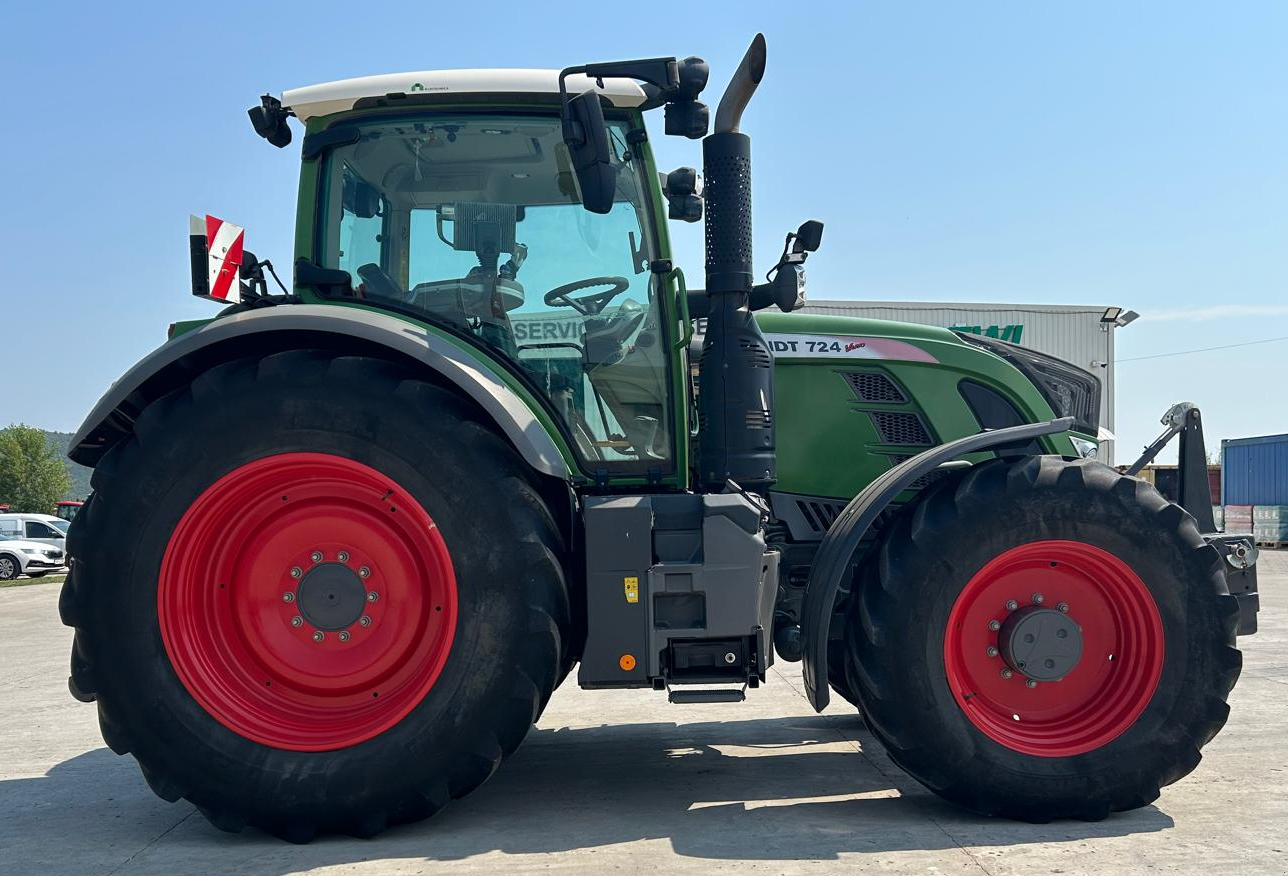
(786, 281)
(809, 236)
(676, 84)
(269, 121)
(586, 136)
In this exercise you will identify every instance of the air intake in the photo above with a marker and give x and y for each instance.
(870, 386)
(898, 427)
(819, 515)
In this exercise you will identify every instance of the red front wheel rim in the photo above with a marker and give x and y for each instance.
(1121, 638)
(307, 601)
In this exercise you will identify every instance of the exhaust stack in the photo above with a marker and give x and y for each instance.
(736, 380)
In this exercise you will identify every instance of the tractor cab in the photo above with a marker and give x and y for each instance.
(446, 207)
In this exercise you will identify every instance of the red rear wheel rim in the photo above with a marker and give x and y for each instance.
(1112, 683)
(307, 601)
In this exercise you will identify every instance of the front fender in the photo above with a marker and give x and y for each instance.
(843, 538)
(292, 326)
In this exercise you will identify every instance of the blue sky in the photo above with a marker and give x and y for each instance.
(1133, 154)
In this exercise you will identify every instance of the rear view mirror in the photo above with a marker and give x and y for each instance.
(586, 135)
(269, 121)
(809, 236)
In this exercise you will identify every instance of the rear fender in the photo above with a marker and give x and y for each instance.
(842, 539)
(272, 329)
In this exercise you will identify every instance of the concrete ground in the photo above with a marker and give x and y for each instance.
(623, 783)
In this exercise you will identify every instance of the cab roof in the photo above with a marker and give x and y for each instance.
(334, 97)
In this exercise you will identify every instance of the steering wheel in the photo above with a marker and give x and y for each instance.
(379, 283)
(587, 305)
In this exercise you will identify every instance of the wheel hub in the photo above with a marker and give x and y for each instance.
(1041, 643)
(307, 601)
(331, 596)
(1054, 682)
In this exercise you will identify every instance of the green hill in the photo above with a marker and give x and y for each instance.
(79, 473)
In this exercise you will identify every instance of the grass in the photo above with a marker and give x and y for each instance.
(44, 579)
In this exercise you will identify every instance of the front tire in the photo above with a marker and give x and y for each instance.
(313, 593)
(10, 568)
(1044, 638)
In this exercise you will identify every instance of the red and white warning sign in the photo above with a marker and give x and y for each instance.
(216, 258)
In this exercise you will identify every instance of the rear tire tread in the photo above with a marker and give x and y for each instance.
(541, 582)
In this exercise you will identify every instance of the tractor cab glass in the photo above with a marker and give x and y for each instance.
(475, 222)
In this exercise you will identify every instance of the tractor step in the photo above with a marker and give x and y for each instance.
(719, 695)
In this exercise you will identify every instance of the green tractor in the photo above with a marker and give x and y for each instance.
(346, 540)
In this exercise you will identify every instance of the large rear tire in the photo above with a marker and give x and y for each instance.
(313, 593)
(1042, 553)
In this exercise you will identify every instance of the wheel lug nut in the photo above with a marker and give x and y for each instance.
(995, 625)
(316, 556)
(372, 596)
(992, 651)
(296, 572)
(1006, 673)
(1011, 605)
(1037, 598)
(364, 572)
(318, 635)
(1030, 683)
(343, 556)
(297, 621)
(288, 596)
(365, 621)
(1062, 607)
(344, 635)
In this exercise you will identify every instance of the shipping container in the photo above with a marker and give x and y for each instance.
(1255, 470)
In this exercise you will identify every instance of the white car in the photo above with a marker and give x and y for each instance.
(44, 528)
(21, 557)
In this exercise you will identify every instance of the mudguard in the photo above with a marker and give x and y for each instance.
(843, 538)
(180, 359)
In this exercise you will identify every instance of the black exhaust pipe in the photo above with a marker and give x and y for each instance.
(736, 377)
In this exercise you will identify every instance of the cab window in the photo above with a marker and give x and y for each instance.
(474, 222)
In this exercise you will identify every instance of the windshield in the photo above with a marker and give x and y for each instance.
(474, 221)
(62, 525)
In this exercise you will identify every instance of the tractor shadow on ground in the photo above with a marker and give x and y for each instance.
(764, 789)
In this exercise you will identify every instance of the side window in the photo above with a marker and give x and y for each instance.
(36, 529)
(362, 225)
(10, 528)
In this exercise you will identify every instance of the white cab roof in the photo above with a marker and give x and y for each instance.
(334, 97)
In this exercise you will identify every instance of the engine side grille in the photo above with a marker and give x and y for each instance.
(902, 428)
(819, 515)
(871, 386)
(757, 419)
